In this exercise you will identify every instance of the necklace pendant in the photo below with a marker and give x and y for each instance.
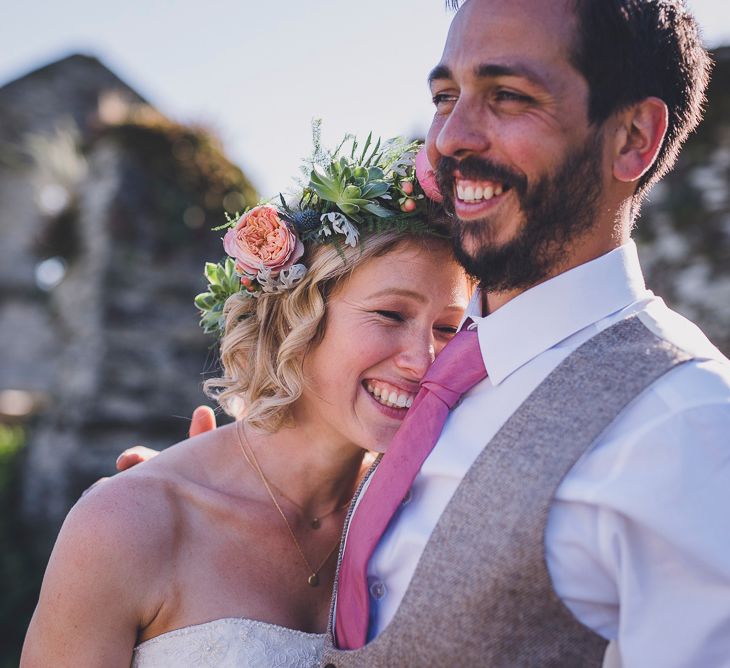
(315, 524)
(313, 580)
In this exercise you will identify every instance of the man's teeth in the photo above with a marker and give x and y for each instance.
(474, 193)
(391, 397)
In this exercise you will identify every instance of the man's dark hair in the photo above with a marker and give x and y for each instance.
(629, 50)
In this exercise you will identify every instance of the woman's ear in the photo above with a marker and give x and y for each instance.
(639, 135)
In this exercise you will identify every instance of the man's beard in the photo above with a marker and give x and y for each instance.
(557, 209)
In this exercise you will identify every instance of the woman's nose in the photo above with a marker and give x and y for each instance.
(417, 355)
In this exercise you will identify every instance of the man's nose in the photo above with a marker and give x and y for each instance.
(465, 131)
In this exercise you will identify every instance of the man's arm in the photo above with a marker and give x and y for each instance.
(637, 542)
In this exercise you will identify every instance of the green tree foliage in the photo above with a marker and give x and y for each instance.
(20, 575)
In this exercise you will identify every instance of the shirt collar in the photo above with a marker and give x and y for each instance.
(550, 312)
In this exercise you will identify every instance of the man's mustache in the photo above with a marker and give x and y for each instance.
(476, 169)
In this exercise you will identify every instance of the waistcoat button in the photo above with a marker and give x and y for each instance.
(377, 589)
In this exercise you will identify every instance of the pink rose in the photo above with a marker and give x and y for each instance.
(259, 238)
(427, 176)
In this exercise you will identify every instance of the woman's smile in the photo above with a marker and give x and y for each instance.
(390, 395)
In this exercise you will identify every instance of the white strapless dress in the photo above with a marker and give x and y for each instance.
(231, 643)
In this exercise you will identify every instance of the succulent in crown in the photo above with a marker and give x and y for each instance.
(352, 188)
(349, 192)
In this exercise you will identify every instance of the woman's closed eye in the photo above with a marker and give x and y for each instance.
(444, 333)
(396, 316)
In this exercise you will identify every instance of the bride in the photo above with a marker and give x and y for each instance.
(222, 550)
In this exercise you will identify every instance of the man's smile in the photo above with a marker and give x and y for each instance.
(475, 198)
(468, 190)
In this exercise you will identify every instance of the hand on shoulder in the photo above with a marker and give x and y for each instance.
(203, 420)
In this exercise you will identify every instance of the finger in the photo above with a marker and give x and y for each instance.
(127, 460)
(203, 420)
(133, 456)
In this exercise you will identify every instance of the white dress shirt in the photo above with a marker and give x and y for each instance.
(638, 537)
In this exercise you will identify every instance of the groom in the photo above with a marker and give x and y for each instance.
(580, 492)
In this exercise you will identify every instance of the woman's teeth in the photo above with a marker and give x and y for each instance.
(474, 192)
(390, 396)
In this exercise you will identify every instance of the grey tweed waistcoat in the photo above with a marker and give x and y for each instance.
(481, 594)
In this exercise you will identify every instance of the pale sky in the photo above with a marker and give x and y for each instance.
(258, 73)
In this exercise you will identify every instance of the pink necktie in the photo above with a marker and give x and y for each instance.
(457, 369)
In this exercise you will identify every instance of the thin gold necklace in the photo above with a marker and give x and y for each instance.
(313, 579)
(314, 522)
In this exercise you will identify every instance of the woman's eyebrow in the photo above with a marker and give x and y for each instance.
(400, 292)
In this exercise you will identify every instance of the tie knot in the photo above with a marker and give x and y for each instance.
(457, 369)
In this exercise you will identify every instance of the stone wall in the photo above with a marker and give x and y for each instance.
(108, 347)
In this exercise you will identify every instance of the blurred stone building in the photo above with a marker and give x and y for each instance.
(105, 213)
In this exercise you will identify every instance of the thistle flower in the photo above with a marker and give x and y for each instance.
(307, 220)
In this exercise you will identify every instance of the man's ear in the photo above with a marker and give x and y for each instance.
(639, 135)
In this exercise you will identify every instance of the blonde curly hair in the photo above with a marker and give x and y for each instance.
(265, 339)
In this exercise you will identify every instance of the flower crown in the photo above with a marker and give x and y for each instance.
(345, 194)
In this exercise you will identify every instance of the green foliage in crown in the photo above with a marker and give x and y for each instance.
(355, 190)
(223, 282)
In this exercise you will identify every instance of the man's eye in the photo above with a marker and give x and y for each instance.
(447, 329)
(512, 96)
(441, 99)
(391, 315)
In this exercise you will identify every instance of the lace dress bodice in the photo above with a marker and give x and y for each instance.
(230, 643)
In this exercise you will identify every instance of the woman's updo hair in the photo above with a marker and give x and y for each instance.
(265, 338)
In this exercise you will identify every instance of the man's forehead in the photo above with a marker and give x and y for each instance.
(524, 8)
(480, 22)
(510, 30)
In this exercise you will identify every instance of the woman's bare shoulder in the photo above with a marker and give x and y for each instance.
(147, 503)
(109, 563)
(140, 514)
(138, 507)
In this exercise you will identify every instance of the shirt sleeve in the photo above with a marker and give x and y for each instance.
(638, 538)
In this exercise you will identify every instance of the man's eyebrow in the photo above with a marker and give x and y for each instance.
(492, 71)
(439, 72)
